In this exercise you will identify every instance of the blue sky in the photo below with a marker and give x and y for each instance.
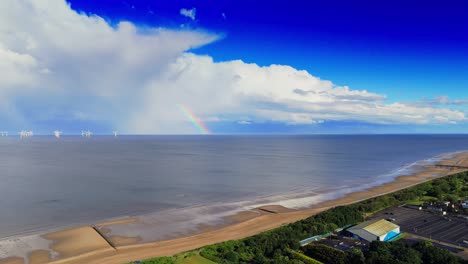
(406, 55)
(362, 44)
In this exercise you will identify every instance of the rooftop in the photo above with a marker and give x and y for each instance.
(376, 227)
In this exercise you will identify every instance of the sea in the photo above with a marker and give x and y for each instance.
(48, 183)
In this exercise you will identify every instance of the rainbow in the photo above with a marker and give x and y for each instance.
(194, 119)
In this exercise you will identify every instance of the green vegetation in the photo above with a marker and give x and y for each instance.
(324, 253)
(433, 255)
(421, 200)
(281, 245)
(398, 252)
(192, 257)
(303, 258)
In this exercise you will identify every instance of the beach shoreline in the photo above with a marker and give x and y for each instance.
(66, 246)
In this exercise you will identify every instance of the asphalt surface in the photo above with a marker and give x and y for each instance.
(343, 243)
(447, 229)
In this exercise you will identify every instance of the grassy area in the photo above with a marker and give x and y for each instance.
(415, 202)
(421, 200)
(195, 259)
(303, 258)
(192, 257)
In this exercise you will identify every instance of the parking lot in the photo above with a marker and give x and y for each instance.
(343, 243)
(437, 227)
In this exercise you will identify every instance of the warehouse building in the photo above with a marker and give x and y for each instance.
(381, 230)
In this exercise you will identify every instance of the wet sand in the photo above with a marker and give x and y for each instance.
(86, 245)
(117, 222)
(77, 241)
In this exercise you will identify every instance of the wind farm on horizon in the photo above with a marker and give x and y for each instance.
(86, 134)
(185, 110)
(56, 133)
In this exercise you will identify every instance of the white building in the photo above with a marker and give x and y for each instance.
(381, 230)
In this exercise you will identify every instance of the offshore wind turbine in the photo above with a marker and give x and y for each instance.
(115, 133)
(25, 133)
(57, 134)
(86, 134)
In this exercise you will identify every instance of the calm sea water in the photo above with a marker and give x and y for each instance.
(47, 183)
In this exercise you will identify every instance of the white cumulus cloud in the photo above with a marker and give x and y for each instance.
(57, 61)
(59, 64)
(190, 13)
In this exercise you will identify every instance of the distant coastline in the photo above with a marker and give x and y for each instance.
(103, 246)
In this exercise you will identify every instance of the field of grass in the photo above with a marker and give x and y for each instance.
(195, 259)
(421, 200)
(184, 258)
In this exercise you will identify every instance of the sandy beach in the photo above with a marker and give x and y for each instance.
(98, 243)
